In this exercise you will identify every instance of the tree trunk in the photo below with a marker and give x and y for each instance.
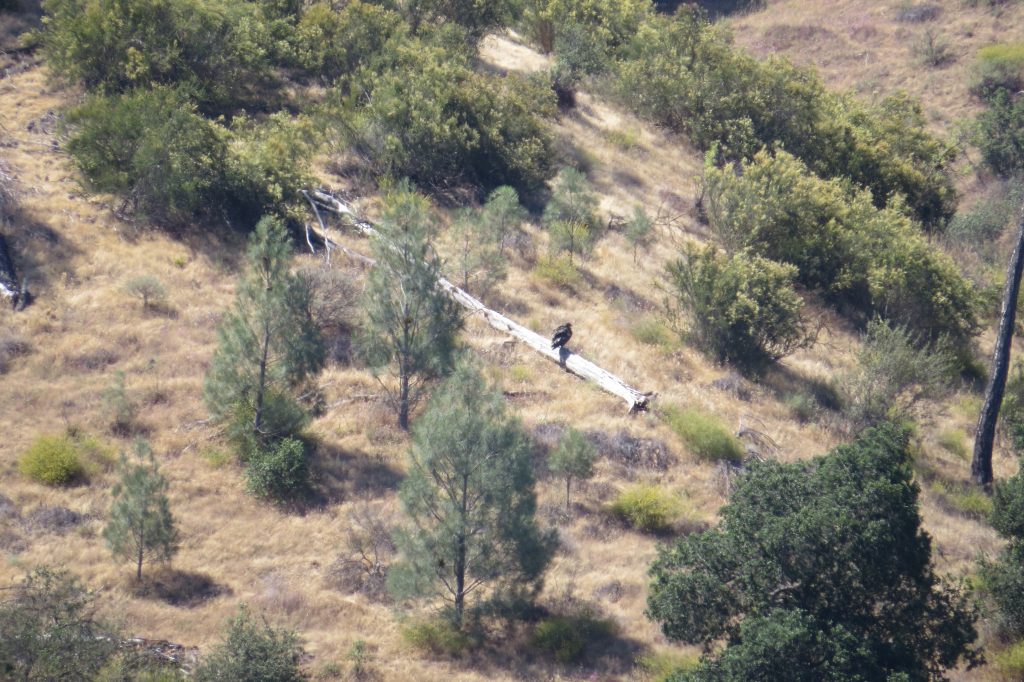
(636, 400)
(257, 421)
(568, 481)
(403, 400)
(981, 464)
(138, 567)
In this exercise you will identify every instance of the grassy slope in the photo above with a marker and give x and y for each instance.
(83, 328)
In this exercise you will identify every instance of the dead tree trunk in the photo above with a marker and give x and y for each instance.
(9, 279)
(981, 464)
(566, 359)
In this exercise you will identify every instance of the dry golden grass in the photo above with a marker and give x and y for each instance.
(83, 328)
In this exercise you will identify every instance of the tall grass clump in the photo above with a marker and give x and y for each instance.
(704, 435)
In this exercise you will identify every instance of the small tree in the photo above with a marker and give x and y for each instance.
(819, 570)
(147, 287)
(121, 408)
(572, 200)
(48, 632)
(470, 500)
(268, 344)
(252, 652)
(411, 323)
(141, 525)
(478, 256)
(572, 237)
(639, 231)
(503, 214)
(573, 458)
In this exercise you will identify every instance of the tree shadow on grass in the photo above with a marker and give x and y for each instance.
(340, 474)
(185, 589)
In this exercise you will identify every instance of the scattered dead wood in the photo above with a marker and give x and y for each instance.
(566, 359)
(163, 652)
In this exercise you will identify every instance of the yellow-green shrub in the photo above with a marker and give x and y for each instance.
(704, 434)
(52, 460)
(648, 508)
(438, 637)
(567, 637)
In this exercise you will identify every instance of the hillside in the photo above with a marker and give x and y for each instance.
(61, 355)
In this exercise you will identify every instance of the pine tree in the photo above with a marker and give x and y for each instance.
(502, 214)
(411, 323)
(573, 458)
(268, 344)
(470, 500)
(141, 525)
(478, 254)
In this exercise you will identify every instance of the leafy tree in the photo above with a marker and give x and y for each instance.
(252, 652)
(740, 309)
(819, 568)
(1000, 133)
(268, 344)
(141, 525)
(215, 48)
(503, 214)
(427, 115)
(147, 287)
(573, 237)
(412, 325)
(469, 496)
(476, 18)
(334, 43)
(573, 458)
(608, 23)
(47, 630)
(1003, 579)
(152, 148)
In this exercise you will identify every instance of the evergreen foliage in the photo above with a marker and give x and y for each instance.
(412, 325)
(252, 652)
(478, 259)
(268, 344)
(48, 630)
(1003, 579)
(573, 458)
(864, 259)
(141, 526)
(684, 72)
(740, 309)
(820, 569)
(502, 215)
(1000, 133)
(470, 501)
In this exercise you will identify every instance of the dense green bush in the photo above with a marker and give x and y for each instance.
(431, 118)
(152, 148)
(52, 460)
(740, 309)
(998, 67)
(647, 508)
(217, 49)
(1003, 578)
(280, 471)
(704, 435)
(334, 43)
(1000, 133)
(684, 73)
(438, 637)
(252, 651)
(864, 259)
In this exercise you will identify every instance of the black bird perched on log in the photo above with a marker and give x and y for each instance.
(562, 336)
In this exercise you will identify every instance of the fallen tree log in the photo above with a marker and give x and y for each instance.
(566, 359)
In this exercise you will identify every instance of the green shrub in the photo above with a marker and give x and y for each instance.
(653, 332)
(661, 667)
(740, 309)
(1010, 661)
(998, 67)
(965, 499)
(1000, 133)
(252, 650)
(894, 372)
(1008, 506)
(802, 407)
(149, 288)
(685, 74)
(1003, 583)
(153, 149)
(218, 49)
(647, 508)
(429, 117)
(438, 637)
(333, 43)
(283, 417)
(567, 637)
(52, 460)
(560, 271)
(864, 259)
(704, 435)
(279, 472)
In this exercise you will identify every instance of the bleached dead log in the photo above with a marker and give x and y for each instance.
(565, 358)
